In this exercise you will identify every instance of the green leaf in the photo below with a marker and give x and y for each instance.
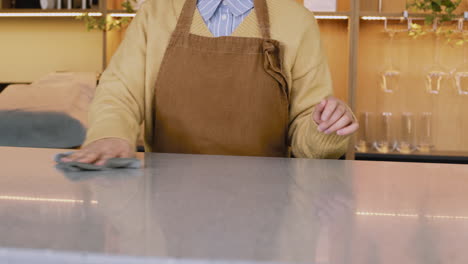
(128, 6)
(429, 19)
(436, 7)
(447, 3)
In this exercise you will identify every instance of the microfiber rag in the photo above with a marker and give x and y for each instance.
(115, 163)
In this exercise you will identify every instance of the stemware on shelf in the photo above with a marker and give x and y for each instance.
(390, 75)
(460, 74)
(461, 79)
(385, 140)
(405, 143)
(425, 133)
(436, 74)
(364, 136)
(460, 83)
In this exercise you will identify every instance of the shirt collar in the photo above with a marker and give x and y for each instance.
(207, 8)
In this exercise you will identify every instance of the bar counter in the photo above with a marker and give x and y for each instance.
(192, 209)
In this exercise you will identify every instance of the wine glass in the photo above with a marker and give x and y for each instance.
(364, 135)
(385, 141)
(425, 134)
(407, 131)
(460, 74)
(390, 76)
(436, 74)
(460, 82)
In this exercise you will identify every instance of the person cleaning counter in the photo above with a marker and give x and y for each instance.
(232, 77)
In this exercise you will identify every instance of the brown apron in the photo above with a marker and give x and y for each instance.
(221, 96)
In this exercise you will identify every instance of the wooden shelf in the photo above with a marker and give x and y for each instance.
(432, 157)
(64, 10)
(111, 11)
(52, 13)
(414, 16)
(331, 13)
(387, 14)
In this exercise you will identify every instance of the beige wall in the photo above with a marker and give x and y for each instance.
(334, 35)
(32, 47)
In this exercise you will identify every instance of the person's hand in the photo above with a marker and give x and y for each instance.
(100, 151)
(332, 115)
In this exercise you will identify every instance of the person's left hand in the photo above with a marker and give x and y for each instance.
(333, 115)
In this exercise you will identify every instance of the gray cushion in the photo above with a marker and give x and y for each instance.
(40, 130)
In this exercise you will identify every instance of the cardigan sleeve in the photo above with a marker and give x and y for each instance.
(117, 109)
(311, 82)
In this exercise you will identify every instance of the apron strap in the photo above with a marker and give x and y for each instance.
(186, 17)
(263, 17)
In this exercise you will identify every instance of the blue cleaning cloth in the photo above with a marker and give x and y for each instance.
(115, 163)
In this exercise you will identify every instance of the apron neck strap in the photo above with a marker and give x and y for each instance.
(186, 17)
(261, 8)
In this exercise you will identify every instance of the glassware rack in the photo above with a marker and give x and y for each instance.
(411, 93)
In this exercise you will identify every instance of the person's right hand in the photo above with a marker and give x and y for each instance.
(99, 151)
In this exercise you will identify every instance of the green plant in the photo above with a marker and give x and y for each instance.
(439, 12)
(107, 24)
(127, 5)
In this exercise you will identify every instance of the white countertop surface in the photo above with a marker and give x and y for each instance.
(194, 208)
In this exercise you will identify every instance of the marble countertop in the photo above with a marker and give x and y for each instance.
(219, 209)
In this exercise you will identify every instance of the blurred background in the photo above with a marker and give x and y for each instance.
(401, 64)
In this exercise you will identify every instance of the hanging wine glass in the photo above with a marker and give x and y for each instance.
(461, 78)
(460, 74)
(436, 74)
(460, 82)
(390, 76)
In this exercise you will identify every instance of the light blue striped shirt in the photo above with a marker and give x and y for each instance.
(223, 16)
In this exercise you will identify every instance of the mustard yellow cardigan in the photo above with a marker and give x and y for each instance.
(123, 99)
